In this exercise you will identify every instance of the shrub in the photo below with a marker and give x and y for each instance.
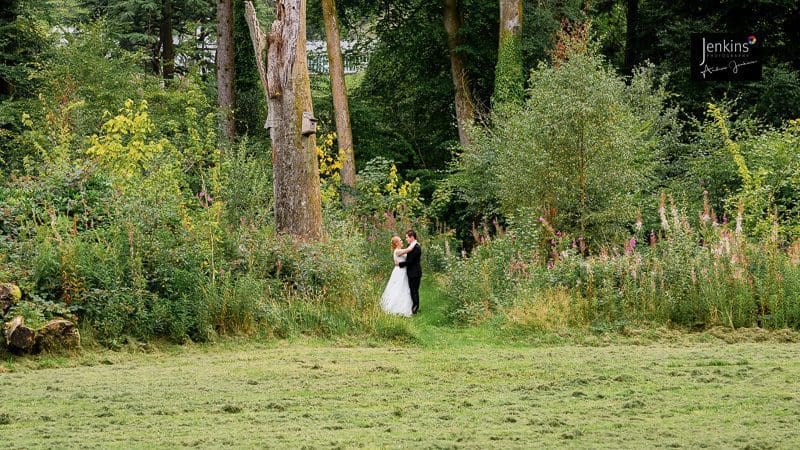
(481, 284)
(578, 153)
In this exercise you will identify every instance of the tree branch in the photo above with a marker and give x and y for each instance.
(260, 43)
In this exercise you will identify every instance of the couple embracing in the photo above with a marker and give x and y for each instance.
(401, 295)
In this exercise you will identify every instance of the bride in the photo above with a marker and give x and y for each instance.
(396, 298)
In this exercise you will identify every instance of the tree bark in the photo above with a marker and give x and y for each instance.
(509, 78)
(56, 335)
(8, 14)
(19, 338)
(298, 209)
(465, 109)
(165, 39)
(632, 20)
(259, 39)
(340, 107)
(226, 98)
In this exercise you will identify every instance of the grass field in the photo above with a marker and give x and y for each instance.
(453, 389)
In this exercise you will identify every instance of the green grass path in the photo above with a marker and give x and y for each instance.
(433, 329)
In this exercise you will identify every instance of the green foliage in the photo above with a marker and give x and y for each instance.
(383, 198)
(579, 152)
(137, 25)
(37, 311)
(742, 164)
(25, 40)
(90, 75)
(694, 277)
(509, 81)
(251, 105)
(662, 33)
(147, 232)
(119, 205)
(246, 184)
(410, 62)
(481, 284)
(24, 37)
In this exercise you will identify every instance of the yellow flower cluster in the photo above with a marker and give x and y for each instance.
(330, 167)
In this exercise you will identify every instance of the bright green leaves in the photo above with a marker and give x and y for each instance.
(580, 152)
(125, 148)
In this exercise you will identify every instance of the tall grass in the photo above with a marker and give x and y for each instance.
(698, 276)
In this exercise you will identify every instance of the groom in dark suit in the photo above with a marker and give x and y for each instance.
(413, 269)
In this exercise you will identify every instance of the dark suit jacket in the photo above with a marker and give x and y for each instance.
(413, 268)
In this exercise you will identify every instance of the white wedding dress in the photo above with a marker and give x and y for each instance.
(396, 298)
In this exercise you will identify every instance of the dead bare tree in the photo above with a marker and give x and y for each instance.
(292, 127)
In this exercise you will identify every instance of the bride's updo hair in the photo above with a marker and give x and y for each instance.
(396, 242)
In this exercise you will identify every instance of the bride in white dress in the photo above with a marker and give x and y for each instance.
(396, 298)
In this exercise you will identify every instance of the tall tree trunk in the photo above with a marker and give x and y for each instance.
(8, 45)
(632, 19)
(251, 105)
(225, 67)
(465, 109)
(341, 110)
(509, 81)
(298, 209)
(165, 39)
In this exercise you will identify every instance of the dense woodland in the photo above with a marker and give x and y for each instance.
(561, 167)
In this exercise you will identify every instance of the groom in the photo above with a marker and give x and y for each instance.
(413, 269)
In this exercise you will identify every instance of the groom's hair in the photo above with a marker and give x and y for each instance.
(411, 233)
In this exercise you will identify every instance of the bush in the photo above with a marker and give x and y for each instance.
(578, 153)
(481, 284)
(739, 162)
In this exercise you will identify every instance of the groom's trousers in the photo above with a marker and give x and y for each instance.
(413, 285)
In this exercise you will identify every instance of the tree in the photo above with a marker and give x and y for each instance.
(632, 21)
(509, 83)
(225, 67)
(465, 105)
(164, 56)
(339, 93)
(408, 62)
(8, 16)
(23, 37)
(579, 153)
(25, 44)
(152, 25)
(665, 25)
(298, 208)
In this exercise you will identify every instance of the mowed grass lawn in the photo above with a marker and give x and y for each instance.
(445, 391)
(704, 395)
